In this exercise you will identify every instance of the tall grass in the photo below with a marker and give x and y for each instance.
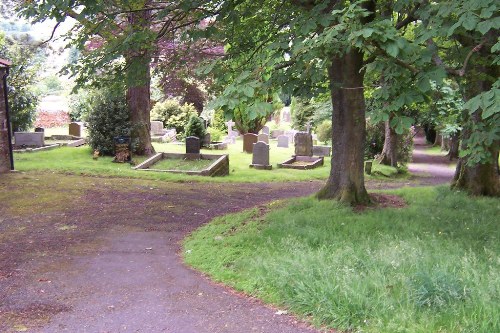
(433, 266)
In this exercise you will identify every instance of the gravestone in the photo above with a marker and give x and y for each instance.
(303, 144)
(206, 140)
(156, 127)
(291, 135)
(283, 141)
(192, 145)
(322, 150)
(27, 139)
(265, 130)
(368, 167)
(263, 137)
(230, 132)
(75, 129)
(260, 157)
(230, 139)
(276, 133)
(122, 149)
(248, 140)
(39, 130)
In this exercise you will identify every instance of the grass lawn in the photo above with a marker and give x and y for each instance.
(433, 266)
(79, 161)
(181, 164)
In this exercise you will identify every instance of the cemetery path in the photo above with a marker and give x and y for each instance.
(87, 254)
(431, 169)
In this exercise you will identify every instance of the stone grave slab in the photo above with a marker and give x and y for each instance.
(265, 130)
(283, 141)
(192, 145)
(28, 139)
(263, 137)
(260, 157)
(157, 127)
(248, 140)
(322, 150)
(303, 144)
(75, 129)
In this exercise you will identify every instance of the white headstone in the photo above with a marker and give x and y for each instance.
(283, 141)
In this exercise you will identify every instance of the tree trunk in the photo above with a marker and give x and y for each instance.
(138, 88)
(437, 141)
(5, 151)
(389, 154)
(454, 146)
(445, 144)
(346, 180)
(478, 179)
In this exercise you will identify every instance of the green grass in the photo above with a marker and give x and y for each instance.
(79, 161)
(181, 164)
(433, 266)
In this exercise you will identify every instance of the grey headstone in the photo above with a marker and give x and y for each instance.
(283, 141)
(156, 127)
(29, 139)
(276, 133)
(230, 139)
(286, 116)
(207, 139)
(265, 130)
(192, 145)
(260, 154)
(322, 150)
(75, 129)
(230, 132)
(263, 137)
(248, 140)
(303, 144)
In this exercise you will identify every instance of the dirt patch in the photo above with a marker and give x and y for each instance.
(381, 200)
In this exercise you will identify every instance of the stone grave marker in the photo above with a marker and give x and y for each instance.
(303, 144)
(291, 135)
(283, 141)
(260, 157)
(230, 132)
(248, 140)
(156, 127)
(276, 133)
(263, 137)
(286, 115)
(265, 130)
(39, 130)
(322, 150)
(192, 145)
(27, 139)
(75, 129)
(206, 140)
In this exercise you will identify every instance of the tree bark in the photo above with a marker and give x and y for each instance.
(445, 144)
(389, 154)
(437, 141)
(346, 180)
(138, 89)
(454, 146)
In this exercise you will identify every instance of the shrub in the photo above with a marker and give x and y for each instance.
(215, 134)
(219, 121)
(108, 117)
(302, 112)
(80, 105)
(324, 131)
(173, 115)
(195, 127)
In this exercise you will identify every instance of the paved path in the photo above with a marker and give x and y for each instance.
(130, 278)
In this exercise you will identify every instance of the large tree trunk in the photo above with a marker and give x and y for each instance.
(346, 181)
(138, 89)
(5, 152)
(389, 154)
(454, 146)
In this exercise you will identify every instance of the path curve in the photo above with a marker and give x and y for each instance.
(120, 270)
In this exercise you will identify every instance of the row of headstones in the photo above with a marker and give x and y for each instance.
(283, 140)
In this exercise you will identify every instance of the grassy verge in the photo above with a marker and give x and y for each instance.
(433, 266)
(79, 161)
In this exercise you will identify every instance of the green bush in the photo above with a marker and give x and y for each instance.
(324, 131)
(80, 104)
(195, 127)
(215, 134)
(173, 115)
(108, 117)
(302, 112)
(219, 121)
